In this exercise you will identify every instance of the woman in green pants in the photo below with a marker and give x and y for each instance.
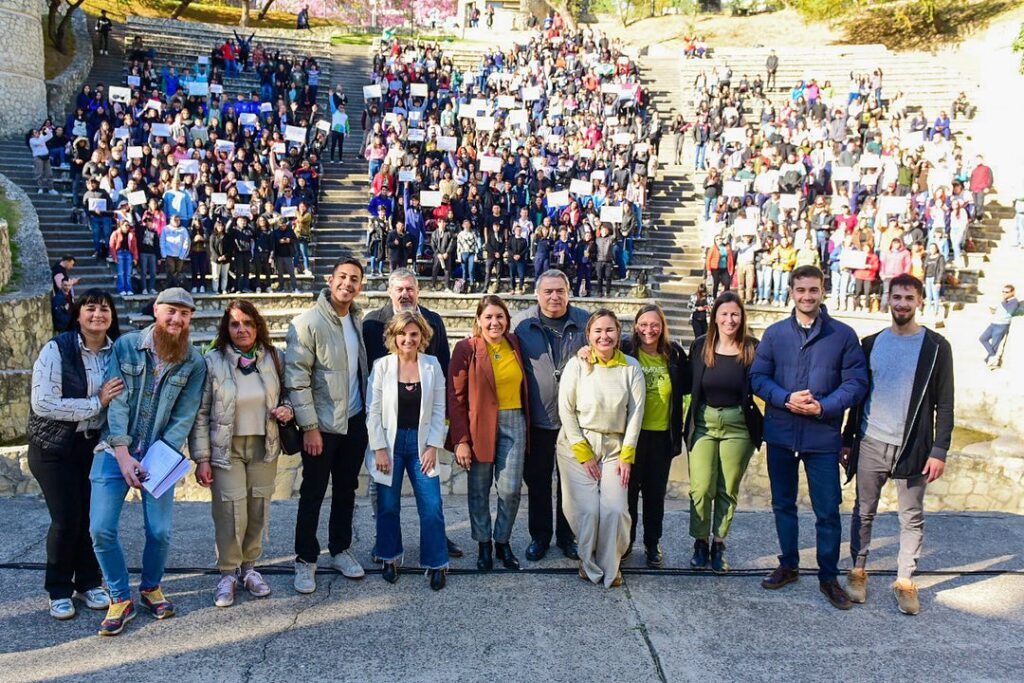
(723, 427)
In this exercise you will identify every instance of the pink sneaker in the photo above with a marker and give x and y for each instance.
(254, 583)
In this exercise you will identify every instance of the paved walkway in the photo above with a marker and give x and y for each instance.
(542, 625)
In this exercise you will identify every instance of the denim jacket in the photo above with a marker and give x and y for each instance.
(180, 393)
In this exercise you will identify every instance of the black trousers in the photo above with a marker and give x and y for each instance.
(720, 278)
(537, 469)
(337, 143)
(649, 478)
(64, 479)
(339, 462)
(442, 263)
(261, 271)
(605, 273)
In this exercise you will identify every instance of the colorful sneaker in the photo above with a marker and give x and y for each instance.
(95, 598)
(225, 596)
(118, 614)
(255, 584)
(62, 609)
(155, 602)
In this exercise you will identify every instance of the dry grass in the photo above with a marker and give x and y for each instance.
(55, 60)
(210, 12)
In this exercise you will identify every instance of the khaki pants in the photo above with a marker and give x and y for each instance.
(241, 503)
(745, 280)
(597, 511)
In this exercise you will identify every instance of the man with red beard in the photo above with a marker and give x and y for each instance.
(163, 377)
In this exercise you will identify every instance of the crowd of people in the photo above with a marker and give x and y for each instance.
(170, 173)
(542, 156)
(553, 389)
(844, 178)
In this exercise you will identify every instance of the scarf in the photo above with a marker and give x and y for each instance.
(246, 360)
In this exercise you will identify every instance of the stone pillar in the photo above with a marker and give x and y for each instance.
(22, 86)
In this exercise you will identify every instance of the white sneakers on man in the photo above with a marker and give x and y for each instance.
(305, 577)
(96, 598)
(346, 563)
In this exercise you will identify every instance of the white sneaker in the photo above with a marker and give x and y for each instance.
(225, 596)
(62, 609)
(41, 191)
(346, 563)
(53, 191)
(305, 577)
(202, 289)
(96, 598)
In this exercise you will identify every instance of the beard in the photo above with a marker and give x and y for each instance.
(170, 347)
(901, 318)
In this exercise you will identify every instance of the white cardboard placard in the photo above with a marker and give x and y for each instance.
(484, 123)
(531, 94)
(198, 88)
(789, 201)
(580, 187)
(371, 91)
(289, 211)
(242, 210)
(744, 226)
(507, 101)
(136, 198)
(219, 198)
(135, 152)
(893, 205)
(490, 164)
(245, 186)
(118, 93)
(447, 143)
(121, 133)
(430, 198)
(406, 176)
(622, 138)
(160, 130)
(418, 89)
(134, 81)
(295, 134)
(611, 214)
(248, 119)
(325, 126)
(188, 166)
(216, 89)
(853, 259)
(558, 198)
(734, 188)
(736, 134)
(97, 204)
(843, 173)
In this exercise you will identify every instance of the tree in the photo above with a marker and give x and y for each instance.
(57, 22)
(244, 20)
(180, 9)
(263, 12)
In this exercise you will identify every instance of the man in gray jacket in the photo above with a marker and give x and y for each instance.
(550, 333)
(325, 375)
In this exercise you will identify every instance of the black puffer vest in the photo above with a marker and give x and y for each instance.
(56, 436)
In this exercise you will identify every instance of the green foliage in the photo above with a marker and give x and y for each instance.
(921, 24)
(826, 10)
(1018, 46)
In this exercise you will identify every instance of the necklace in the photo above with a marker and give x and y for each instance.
(495, 350)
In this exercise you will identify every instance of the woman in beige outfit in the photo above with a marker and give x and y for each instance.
(601, 405)
(236, 432)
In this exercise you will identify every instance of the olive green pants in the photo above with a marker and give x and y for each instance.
(241, 503)
(721, 451)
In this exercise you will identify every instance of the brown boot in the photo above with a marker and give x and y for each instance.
(906, 596)
(857, 585)
(782, 576)
(835, 594)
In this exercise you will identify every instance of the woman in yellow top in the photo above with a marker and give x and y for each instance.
(601, 406)
(784, 260)
(488, 412)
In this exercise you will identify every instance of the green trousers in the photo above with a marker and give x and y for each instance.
(721, 451)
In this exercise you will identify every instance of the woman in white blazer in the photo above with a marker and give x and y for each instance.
(405, 423)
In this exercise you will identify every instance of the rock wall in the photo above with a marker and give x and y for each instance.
(6, 267)
(22, 87)
(61, 91)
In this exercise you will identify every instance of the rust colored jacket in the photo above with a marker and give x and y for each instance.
(473, 397)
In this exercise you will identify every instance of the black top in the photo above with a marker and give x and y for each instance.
(723, 384)
(409, 405)
(751, 415)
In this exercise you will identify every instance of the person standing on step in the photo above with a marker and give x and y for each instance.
(550, 333)
(771, 66)
(163, 376)
(103, 28)
(325, 377)
(489, 413)
(999, 326)
(902, 431)
(443, 241)
(68, 406)
(723, 428)
(809, 369)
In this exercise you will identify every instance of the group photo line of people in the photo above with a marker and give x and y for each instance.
(551, 393)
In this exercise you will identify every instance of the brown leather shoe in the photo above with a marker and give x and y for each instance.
(782, 576)
(835, 594)
(857, 585)
(906, 596)
(617, 581)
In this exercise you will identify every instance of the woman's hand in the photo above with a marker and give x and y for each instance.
(623, 470)
(383, 461)
(593, 469)
(585, 354)
(204, 474)
(131, 469)
(283, 413)
(464, 455)
(110, 390)
(428, 459)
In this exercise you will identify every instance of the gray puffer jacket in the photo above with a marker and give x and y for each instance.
(210, 440)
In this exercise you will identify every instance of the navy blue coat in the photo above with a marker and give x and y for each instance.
(829, 361)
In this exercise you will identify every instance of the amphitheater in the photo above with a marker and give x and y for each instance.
(985, 476)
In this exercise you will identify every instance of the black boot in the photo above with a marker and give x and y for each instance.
(718, 563)
(438, 578)
(390, 572)
(700, 554)
(504, 553)
(485, 560)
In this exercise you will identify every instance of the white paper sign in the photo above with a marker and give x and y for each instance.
(843, 173)
(586, 153)
(869, 161)
(418, 89)
(506, 101)
(137, 198)
(204, 59)
(155, 105)
(242, 210)
(121, 133)
(225, 146)
(406, 176)
(97, 204)
(265, 107)
(558, 198)
(417, 135)
(289, 211)
(484, 123)
(789, 201)
(622, 138)
(160, 130)
(188, 166)
(135, 152)
(893, 205)
(853, 259)
(597, 176)
(198, 88)
(490, 164)
(371, 91)
(248, 119)
(219, 198)
(216, 89)
(734, 188)
(278, 148)
(325, 126)
(295, 133)
(744, 226)
(531, 94)
(447, 143)
(430, 198)
(839, 203)
(245, 186)
(119, 94)
(611, 214)
(610, 88)
(518, 117)
(134, 81)
(580, 187)
(736, 135)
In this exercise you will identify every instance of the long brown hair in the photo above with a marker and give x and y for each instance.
(490, 300)
(744, 338)
(664, 342)
(246, 307)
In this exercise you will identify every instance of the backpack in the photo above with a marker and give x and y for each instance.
(459, 286)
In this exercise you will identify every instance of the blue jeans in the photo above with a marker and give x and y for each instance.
(822, 470)
(433, 542)
(701, 149)
(302, 254)
(124, 271)
(991, 338)
(1019, 241)
(506, 472)
(780, 282)
(709, 202)
(468, 260)
(230, 68)
(147, 271)
(108, 492)
(58, 156)
(932, 290)
(267, 92)
(101, 228)
(638, 215)
(623, 255)
(374, 166)
(764, 283)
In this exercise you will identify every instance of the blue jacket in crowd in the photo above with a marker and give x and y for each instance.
(828, 360)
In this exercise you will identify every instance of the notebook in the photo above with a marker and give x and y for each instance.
(165, 467)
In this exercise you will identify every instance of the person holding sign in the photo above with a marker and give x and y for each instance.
(163, 377)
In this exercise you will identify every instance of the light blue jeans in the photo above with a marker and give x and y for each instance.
(1019, 241)
(108, 492)
(433, 541)
(764, 283)
(932, 290)
(780, 282)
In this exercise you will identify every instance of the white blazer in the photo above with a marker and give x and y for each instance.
(382, 414)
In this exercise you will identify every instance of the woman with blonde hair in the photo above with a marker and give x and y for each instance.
(488, 411)
(405, 425)
(601, 406)
(722, 427)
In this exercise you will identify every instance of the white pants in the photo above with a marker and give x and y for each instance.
(597, 511)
